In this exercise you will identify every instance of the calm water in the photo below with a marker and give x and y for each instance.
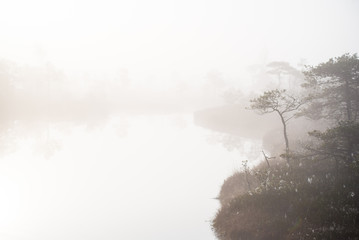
(131, 177)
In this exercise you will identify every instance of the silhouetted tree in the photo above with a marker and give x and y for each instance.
(280, 69)
(318, 198)
(333, 89)
(281, 103)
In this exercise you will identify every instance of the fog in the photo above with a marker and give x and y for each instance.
(121, 119)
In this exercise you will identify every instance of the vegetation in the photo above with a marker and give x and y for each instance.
(281, 103)
(317, 196)
(334, 89)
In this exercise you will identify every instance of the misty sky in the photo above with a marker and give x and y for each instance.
(158, 42)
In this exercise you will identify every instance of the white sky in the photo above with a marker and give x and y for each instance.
(161, 39)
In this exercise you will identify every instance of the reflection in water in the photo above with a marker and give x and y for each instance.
(107, 160)
(135, 177)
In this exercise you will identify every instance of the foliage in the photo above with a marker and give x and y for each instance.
(283, 68)
(340, 142)
(236, 185)
(317, 196)
(307, 201)
(333, 89)
(275, 101)
(283, 104)
(309, 212)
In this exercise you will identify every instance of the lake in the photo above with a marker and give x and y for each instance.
(127, 177)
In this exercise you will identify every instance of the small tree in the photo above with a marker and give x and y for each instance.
(281, 103)
(280, 69)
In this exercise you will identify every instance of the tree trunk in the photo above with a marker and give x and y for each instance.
(285, 136)
(347, 99)
(349, 114)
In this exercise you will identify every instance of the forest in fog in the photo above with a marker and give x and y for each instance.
(164, 119)
(305, 188)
